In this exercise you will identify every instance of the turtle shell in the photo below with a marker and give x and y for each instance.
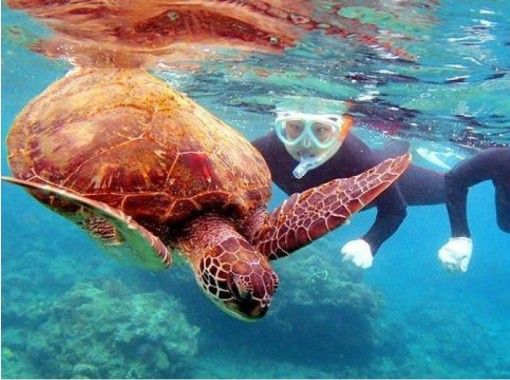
(125, 138)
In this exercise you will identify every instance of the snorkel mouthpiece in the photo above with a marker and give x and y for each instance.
(306, 164)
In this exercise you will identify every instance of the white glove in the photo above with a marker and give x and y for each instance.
(358, 252)
(456, 254)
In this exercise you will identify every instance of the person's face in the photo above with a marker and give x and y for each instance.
(308, 138)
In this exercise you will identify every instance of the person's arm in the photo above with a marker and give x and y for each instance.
(391, 209)
(456, 254)
(457, 182)
(391, 212)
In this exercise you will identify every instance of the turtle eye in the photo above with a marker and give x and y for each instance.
(239, 290)
(333, 118)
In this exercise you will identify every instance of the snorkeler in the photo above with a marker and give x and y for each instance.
(321, 143)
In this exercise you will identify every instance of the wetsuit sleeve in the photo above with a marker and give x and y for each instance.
(391, 212)
(391, 205)
(481, 167)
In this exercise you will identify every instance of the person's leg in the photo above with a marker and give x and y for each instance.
(503, 205)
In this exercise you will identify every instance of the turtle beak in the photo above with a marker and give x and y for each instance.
(253, 309)
(258, 311)
(250, 311)
(252, 302)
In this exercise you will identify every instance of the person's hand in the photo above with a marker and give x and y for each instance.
(456, 254)
(358, 252)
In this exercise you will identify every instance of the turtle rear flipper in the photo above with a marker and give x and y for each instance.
(121, 236)
(309, 215)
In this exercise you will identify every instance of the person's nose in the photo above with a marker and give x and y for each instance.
(306, 142)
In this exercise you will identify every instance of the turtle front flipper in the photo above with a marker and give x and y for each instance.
(121, 236)
(309, 215)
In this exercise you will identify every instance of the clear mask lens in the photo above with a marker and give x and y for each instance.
(324, 132)
(293, 129)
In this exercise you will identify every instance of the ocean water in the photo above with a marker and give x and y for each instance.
(69, 310)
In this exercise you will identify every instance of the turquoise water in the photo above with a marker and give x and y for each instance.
(68, 310)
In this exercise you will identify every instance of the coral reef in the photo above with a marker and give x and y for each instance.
(107, 331)
(448, 340)
(322, 320)
(325, 322)
(217, 367)
(326, 308)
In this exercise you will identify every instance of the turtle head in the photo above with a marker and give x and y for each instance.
(232, 273)
(239, 280)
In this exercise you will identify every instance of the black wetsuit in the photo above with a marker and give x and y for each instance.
(491, 164)
(417, 186)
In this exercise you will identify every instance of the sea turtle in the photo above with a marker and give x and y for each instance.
(149, 173)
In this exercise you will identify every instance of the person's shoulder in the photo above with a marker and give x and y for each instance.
(266, 141)
(269, 146)
(353, 145)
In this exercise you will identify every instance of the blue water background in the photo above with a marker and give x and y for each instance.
(431, 324)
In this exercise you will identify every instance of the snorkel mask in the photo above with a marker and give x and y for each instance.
(311, 139)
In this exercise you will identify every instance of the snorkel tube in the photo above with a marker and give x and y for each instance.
(307, 163)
